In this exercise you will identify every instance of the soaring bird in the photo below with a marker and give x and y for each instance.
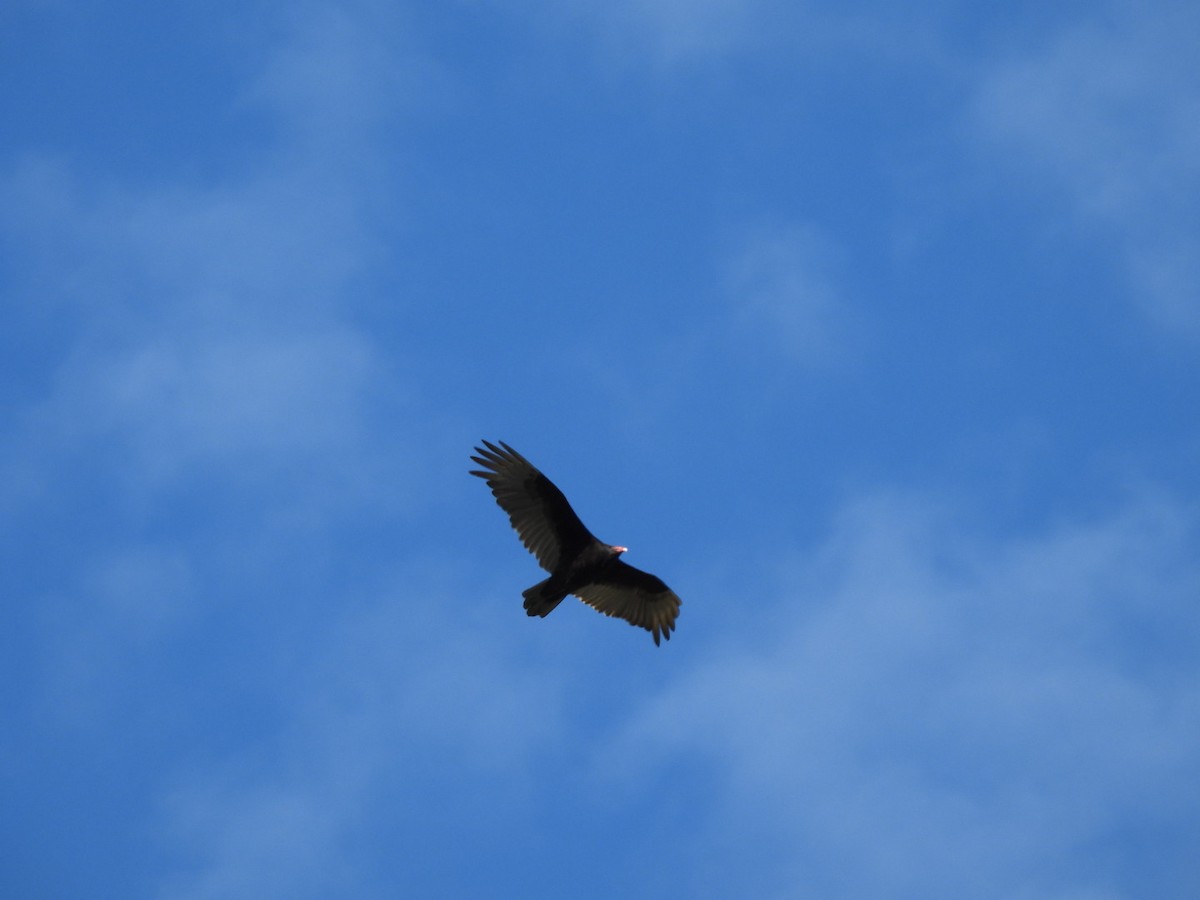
(578, 563)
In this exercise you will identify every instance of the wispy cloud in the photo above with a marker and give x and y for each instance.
(202, 367)
(674, 31)
(931, 713)
(207, 321)
(1111, 112)
(678, 35)
(402, 697)
(660, 32)
(786, 288)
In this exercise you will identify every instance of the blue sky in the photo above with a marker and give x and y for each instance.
(875, 333)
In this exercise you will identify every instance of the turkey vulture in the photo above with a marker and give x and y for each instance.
(578, 563)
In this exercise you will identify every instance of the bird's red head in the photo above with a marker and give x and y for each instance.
(617, 551)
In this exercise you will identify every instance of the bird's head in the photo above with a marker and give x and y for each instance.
(617, 551)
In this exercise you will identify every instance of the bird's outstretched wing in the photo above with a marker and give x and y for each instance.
(638, 597)
(539, 512)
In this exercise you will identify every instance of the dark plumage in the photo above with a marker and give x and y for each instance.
(578, 563)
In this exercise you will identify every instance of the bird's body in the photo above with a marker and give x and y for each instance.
(578, 563)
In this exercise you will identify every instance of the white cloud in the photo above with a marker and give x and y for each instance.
(1111, 112)
(786, 288)
(930, 714)
(203, 369)
(213, 325)
(1166, 275)
(244, 401)
(677, 34)
(676, 31)
(663, 32)
(400, 698)
(263, 840)
(120, 610)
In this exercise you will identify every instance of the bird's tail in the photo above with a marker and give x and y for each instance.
(541, 599)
